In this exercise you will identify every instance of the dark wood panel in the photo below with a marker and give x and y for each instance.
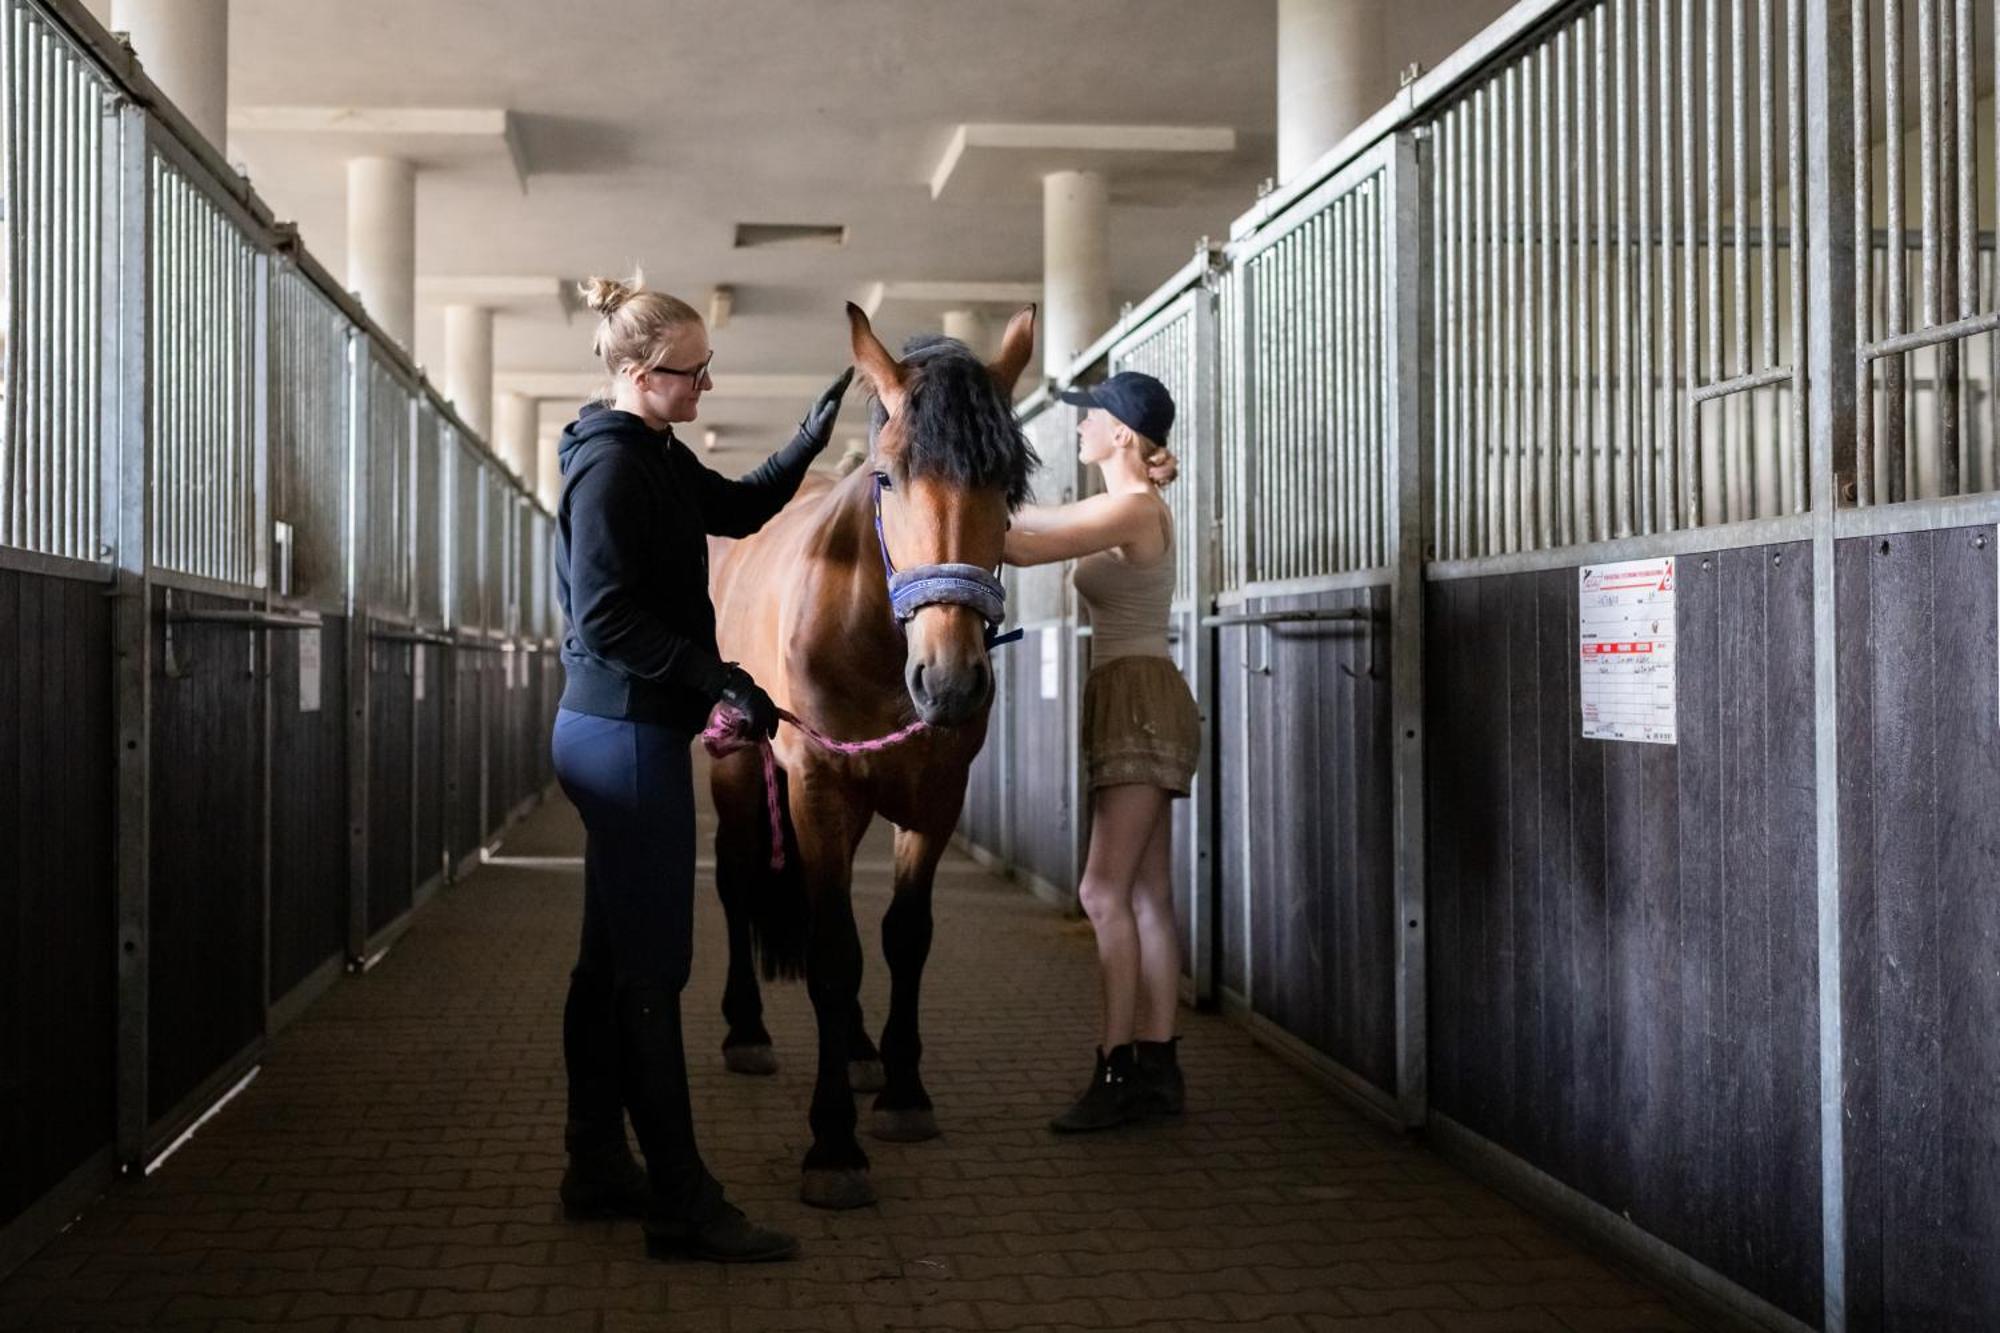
(1041, 830)
(206, 920)
(1232, 827)
(1920, 749)
(391, 811)
(428, 795)
(57, 921)
(466, 787)
(1622, 936)
(309, 846)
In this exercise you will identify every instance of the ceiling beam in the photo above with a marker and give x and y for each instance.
(1087, 143)
(499, 291)
(391, 123)
(950, 293)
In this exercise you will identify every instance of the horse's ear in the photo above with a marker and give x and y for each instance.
(885, 372)
(1017, 344)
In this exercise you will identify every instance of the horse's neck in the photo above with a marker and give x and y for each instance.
(855, 645)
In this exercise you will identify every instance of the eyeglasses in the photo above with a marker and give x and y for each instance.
(695, 373)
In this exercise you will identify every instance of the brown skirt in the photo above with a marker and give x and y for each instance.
(1140, 725)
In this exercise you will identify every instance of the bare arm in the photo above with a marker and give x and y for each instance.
(1042, 535)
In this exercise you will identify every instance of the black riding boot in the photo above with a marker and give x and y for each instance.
(688, 1214)
(601, 1179)
(1111, 1098)
(1161, 1089)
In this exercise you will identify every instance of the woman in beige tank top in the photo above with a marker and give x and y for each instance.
(1141, 738)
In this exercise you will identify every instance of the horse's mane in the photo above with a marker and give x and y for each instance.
(957, 424)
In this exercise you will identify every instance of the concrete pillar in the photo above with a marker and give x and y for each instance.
(548, 470)
(184, 45)
(1076, 265)
(515, 436)
(1333, 74)
(382, 242)
(969, 327)
(468, 366)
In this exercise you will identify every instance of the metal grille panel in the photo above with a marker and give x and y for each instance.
(1313, 468)
(433, 440)
(1614, 280)
(204, 395)
(1928, 423)
(386, 473)
(309, 433)
(51, 225)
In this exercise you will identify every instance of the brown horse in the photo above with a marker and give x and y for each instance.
(806, 606)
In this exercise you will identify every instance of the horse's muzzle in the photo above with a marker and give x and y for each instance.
(949, 695)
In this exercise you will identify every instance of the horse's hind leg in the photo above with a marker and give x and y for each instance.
(742, 852)
(903, 1112)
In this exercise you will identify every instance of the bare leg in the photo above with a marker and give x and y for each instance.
(1159, 936)
(1122, 823)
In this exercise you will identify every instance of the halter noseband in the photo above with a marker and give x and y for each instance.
(910, 590)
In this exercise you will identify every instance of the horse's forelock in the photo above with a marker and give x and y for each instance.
(956, 423)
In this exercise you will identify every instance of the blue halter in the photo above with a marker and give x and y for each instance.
(911, 590)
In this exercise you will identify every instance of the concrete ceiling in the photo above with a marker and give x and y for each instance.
(649, 128)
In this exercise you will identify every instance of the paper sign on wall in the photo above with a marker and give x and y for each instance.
(309, 671)
(1051, 662)
(1625, 638)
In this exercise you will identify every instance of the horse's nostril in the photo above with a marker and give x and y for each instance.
(917, 681)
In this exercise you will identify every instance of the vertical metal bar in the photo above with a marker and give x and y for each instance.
(1945, 356)
(1600, 502)
(1716, 368)
(1862, 168)
(11, 360)
(1795, 82)
(1490, 324)
(1688, 493)
(1509, 252)
(1639, 465)
(1739, 500)
(1382, 433)
(1563, 445)
(129, 389)
(1928, 470)
(1545, 293)
(1664, 440)
(1337, 252)
(1205, 334)
(1769, 473)
(1965, 187)
(1619, 460)
(35, 448)
(1895, 460)
(1407, 244)
(96, 438)
(65, 325)
(1831, 373)
(1444, 303)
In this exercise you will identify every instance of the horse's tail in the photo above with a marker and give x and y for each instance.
(780, 912)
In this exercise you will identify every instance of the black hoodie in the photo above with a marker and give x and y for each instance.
(632, 564)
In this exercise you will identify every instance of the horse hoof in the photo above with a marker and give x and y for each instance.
(909, 1124)
(866, 1076)
(750, 1059)
(824, 1188)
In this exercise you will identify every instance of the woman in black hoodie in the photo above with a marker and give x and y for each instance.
(642, 674)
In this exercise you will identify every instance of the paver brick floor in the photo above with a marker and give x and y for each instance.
(395, 1164)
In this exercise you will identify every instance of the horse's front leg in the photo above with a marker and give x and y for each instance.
(828, 820)
(903, 1112)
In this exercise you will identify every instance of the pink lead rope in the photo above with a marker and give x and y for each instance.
(729, 731)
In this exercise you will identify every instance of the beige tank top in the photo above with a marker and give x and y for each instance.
(1128, 604)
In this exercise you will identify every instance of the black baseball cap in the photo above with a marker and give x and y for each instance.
(1135, 398)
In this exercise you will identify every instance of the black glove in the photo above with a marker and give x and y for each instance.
(817, 428)
(747, 697)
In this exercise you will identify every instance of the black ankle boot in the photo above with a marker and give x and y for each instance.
(687, 1213)
(1161, 1089)
(1110, 1098)
(727, 1237)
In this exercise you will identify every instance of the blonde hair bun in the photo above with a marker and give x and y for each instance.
(605, 295)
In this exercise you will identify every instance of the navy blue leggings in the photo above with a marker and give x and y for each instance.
(633, 782)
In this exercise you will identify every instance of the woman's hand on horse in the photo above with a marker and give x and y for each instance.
(817, 428)
(747, 697)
